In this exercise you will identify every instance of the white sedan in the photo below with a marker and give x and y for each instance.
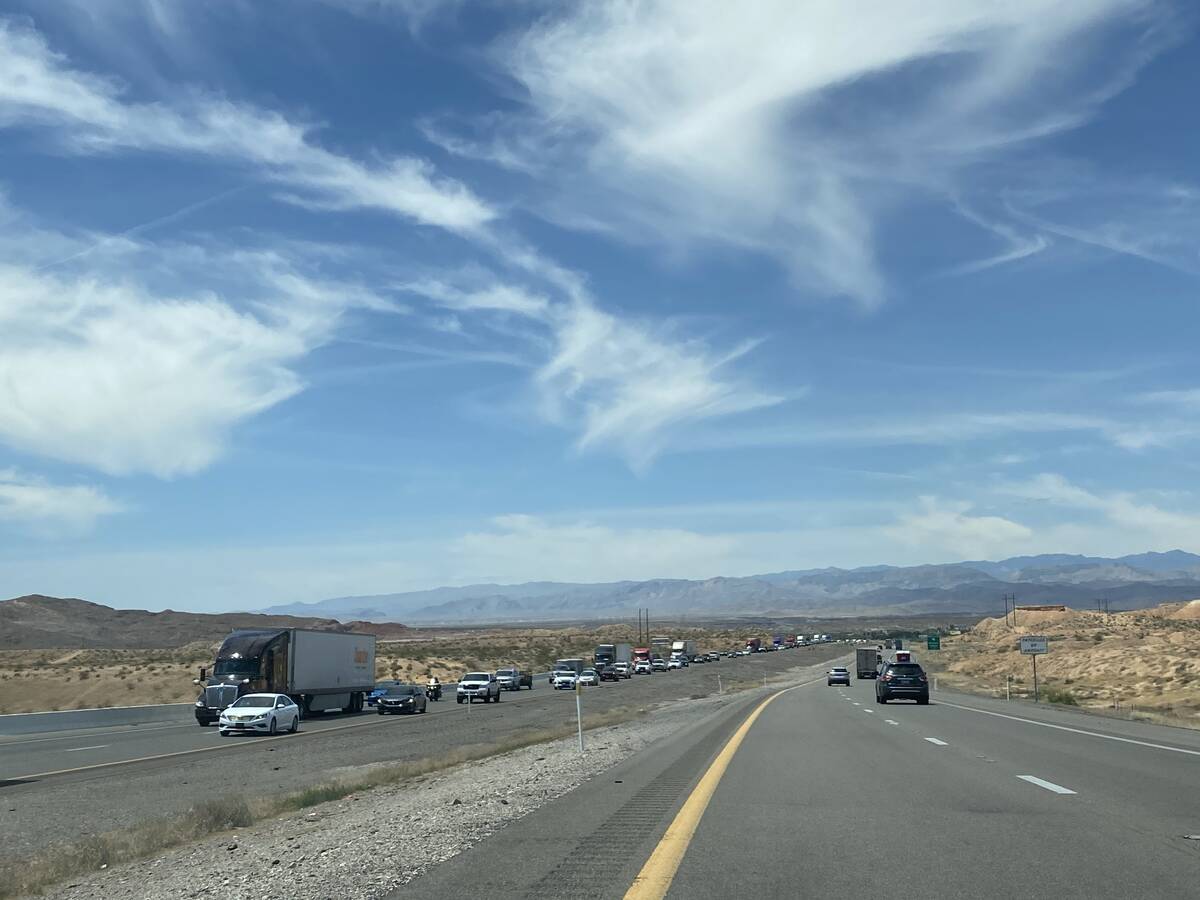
(589, 678)
(260, 714)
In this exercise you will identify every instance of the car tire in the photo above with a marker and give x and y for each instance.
(224, 733)
(922, 701)
(295, 724)
(497, 696)
(459, 699)
(274, 727)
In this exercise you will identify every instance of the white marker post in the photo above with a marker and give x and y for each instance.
(579, 711)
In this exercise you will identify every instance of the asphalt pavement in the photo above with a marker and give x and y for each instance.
(832, 795)
(63, 785)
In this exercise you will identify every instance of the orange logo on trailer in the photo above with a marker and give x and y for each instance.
(360, 657)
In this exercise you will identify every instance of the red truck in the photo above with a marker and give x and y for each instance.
(754, 645)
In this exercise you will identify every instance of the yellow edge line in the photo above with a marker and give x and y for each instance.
(654, 880)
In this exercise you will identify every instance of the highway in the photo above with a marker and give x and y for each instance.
(828, 794)
(58, 786)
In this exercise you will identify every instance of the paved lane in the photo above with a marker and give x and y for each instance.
(947, 802)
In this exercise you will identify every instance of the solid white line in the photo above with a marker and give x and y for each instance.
(93, 747)
(1048, 785)
(1107, 737)
(891, 721)
(936, 741)
(871, 711)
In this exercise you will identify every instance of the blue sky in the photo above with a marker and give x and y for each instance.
(350, 297)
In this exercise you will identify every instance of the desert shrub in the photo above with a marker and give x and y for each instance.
(1060, 695)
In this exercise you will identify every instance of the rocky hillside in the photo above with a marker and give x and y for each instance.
(36, 622)
(1143, 660)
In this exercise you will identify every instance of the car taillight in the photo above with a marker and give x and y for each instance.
(922, 678)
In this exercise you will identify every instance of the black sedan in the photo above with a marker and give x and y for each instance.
(608, 673)
(403, 698)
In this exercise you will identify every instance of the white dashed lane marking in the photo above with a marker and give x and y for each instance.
(1048, 785)
(937, 742)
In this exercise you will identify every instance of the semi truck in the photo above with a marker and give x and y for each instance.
(866, 662)
(777, 641)
(319, 670)
(611, 654)
(753, 644)
(685, 649)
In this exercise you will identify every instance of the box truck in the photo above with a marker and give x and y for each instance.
(685, 649)
(866, 662)
(319, 670)
(611, 654)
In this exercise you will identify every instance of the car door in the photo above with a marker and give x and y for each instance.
(280, 713)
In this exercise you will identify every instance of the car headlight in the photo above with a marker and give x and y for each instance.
(262, 716)
(199, 702)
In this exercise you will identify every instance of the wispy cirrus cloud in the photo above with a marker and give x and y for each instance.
(773, 128)
(92, 114)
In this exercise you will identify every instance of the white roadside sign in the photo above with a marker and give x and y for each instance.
(1033, 645)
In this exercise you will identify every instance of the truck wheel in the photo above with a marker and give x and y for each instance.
(459, 699)
(497, 696)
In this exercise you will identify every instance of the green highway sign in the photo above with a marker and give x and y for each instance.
(934, 642)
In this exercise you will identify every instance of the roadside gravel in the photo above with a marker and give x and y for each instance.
(373, 841)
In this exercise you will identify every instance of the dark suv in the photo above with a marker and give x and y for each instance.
(608, 672)
(902, 681)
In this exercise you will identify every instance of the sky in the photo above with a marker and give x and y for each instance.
(338, 297)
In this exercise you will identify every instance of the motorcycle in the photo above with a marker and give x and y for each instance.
(433, 691)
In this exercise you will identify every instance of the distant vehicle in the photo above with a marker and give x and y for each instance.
(838, 675)
(402, 698)
(777, 641)
(589, 678)
(643, 667)
(754, 645)
(674, 663)
(608, 673)
(624, 669)
(686, 649)
(641, 653)
(713, 656)
(866, 662)
(699, 659)
(574, 663)
(478, 686)
(564, 680)
(260, 714)
(902, 681)
(658, 664)
(514, 679)
(319, 670)
(611, 654)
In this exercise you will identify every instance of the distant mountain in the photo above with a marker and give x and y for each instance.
(1139, 580)
(36, 622)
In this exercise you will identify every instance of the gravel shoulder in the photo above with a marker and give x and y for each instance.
(374, 841)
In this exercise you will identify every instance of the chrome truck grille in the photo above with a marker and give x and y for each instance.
(219, 696)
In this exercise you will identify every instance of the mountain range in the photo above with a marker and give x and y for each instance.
(1127, 582)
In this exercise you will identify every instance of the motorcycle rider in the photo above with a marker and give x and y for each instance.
(433, 686)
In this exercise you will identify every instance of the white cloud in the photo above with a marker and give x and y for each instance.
(50, 509)
(775, 127)
(1136, 520)
(629, 387)
(1187, 400)
(39, 87)
(942, 529)
(102, 370)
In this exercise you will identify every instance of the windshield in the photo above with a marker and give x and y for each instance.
(905, 669)
(505, 673)
(236, 667)
(400, 692)
(477, 676)
(254, 701)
